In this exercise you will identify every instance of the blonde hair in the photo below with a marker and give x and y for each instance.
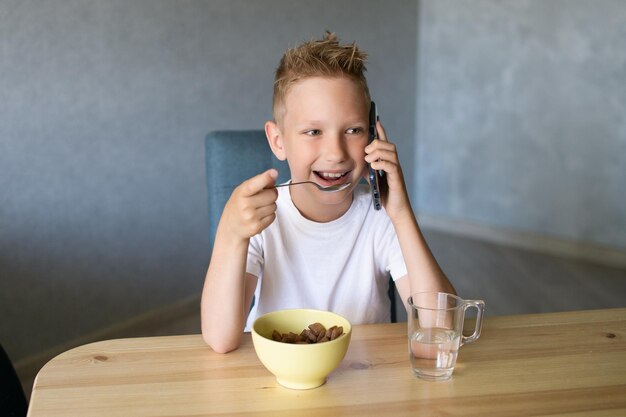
(318, 58)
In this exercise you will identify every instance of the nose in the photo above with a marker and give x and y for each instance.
(335, 148)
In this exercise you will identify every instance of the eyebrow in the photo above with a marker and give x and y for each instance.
(309, 121)
(355, 121)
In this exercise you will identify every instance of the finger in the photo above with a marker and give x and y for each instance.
(379, 144)
(263, 198)
(255, 184)
(266, 221)
(382, 135)
(393, 173)
(255, 225)
(382, 154)
(265, 211)
(386, 166)
(372, 146)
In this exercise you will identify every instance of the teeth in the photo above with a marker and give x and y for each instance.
(331, 175)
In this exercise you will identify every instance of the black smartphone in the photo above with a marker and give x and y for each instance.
(376, 178)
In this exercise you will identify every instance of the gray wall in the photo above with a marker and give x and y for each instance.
(103, 109)
(522, 116)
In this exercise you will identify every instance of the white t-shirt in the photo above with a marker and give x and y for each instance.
(341, 266)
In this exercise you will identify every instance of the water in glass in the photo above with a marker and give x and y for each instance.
(433, 352)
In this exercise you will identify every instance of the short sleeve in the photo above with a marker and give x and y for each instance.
(255, 261)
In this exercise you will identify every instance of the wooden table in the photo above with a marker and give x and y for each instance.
(545, 364)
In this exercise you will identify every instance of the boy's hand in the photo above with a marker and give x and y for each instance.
(382, 155)
(251, 207)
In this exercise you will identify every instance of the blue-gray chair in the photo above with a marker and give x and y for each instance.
(233, 156)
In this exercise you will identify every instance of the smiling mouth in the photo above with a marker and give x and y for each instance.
(330, 178)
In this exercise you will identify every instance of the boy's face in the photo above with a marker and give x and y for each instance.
(322, 135)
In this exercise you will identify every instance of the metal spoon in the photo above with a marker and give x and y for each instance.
(330, 188)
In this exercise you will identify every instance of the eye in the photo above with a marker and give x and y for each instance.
(355, 130)
(313, 132)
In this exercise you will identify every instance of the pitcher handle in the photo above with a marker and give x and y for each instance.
(480, 308)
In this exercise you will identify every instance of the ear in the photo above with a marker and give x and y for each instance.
(275, 139)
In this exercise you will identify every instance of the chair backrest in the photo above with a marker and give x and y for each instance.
(233, 156)
(12, 399)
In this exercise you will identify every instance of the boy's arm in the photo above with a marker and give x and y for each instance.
(424, 273)
(228, 289)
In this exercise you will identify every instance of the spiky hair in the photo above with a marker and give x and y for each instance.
(318, 58)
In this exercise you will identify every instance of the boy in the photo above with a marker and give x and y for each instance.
(297, 246)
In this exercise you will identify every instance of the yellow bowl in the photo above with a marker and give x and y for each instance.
(299, 366)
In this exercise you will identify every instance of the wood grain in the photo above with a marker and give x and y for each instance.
(545, 364)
